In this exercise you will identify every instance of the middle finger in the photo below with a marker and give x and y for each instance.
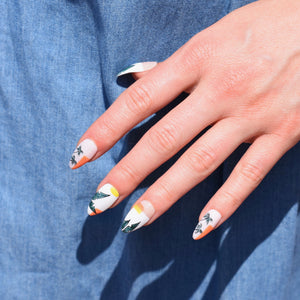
(158, 145)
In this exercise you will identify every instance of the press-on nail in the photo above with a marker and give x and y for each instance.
(104, 198)
(206, 224)
(83, 153)
(138, 67)
(138, 216)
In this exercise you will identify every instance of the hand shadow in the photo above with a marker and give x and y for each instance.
(94, 237)
(163, 243)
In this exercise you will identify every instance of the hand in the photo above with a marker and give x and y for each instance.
(243, 75)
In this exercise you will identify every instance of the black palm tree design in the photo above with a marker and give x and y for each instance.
(198, 228)
(73, 160)
(79, 150)
(207, 218)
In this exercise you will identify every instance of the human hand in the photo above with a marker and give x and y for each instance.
(243, 75)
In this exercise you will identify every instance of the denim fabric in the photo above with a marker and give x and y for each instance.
(58, 66)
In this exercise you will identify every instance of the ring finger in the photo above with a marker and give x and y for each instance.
(199, 161)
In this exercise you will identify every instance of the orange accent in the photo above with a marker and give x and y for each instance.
(139, 207)
(84, 160)
(207, 230)
(98, 211)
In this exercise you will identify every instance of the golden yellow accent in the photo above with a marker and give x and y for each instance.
(114, 191)
(138, 208)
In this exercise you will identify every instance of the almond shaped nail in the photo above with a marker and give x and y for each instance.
(83, 153)
(138, 67)
(104, 198)
(206, 224)
(138, 216)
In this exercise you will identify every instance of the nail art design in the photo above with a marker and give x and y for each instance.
(138, 216)
(138, 67)
(104, 198)
(83, 153)
(206, 224)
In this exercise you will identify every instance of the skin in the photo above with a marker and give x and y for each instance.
(243, 75)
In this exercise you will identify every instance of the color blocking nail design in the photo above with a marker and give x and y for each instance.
(83, 153)
(206, 224)
(105, 197)
(138, 67)
(138, 216)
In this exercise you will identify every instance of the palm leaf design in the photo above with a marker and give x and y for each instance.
(100, 195)
(92, 206)
(131, 227)
(125, 223)
(207, 218)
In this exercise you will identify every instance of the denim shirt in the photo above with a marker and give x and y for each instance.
(58, 66)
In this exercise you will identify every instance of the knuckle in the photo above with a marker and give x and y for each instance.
(202, 159)
(234, 83)
(163, 193)
(197, 51)
(138, 99)
(128, 174)
(163, 139)
(252, 173)
(106, 131)
(231, 198)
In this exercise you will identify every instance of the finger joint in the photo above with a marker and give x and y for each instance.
(202, 159)
(138, 99)
(252, 173)
(163, 139)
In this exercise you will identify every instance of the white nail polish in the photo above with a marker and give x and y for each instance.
(206, 224)
(138, 216)
(104, 198)
(83, 153)
(138, 67)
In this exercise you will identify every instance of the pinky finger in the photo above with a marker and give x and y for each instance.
(245, 177)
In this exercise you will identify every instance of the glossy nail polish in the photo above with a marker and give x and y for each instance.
(138, 216)
(83, 153)
(104, 198)
(206, 224)
(138, 67)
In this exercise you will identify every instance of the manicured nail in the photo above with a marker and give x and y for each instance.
(206, 224)
(138, 216)
(105, 197)
(138, 67)
(83, 153)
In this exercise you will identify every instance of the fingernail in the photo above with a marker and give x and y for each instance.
(138, 67)
(83, 153)
(138, 216)
(104, 198)
(206, 224)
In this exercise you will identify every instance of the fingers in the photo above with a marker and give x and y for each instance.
(246, 176)
(200, 160)
(157, 88)
(159, 144)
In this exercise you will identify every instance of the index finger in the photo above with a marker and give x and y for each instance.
(146, 96)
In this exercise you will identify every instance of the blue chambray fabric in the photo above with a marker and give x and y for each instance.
(58, 66)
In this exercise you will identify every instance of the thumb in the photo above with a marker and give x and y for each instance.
(138, 70)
